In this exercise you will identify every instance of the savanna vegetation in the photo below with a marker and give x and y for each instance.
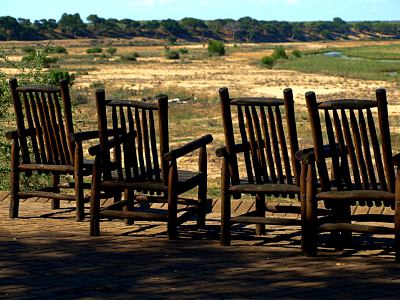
(245, 29)
(192, 74)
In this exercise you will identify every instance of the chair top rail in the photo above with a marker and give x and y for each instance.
(347, 104)
(260, 101)
(38, 88)
(132, 103)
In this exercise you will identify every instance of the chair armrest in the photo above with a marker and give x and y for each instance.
(223, 152)
(396, 160)
(97, 149)
(12, 135)
(307, 155)
(84, 136)
(189, 147)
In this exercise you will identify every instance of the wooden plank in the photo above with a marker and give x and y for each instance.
(268, 146)
(243, 134)
(266, 220)
(283, 145)
(355, 228)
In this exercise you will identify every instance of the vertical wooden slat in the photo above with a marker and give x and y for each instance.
(69, 126)
(268, 146)
(260, 144)
(283, 145)
(132, 143)
(103, 135)
(344, 167)
(317, 140)
(385, 138)
(153, 143)
(359, 150)
(162, 103)
(140, 143)
(146, 142)
(367, 151)
(332, 146)
(51, 141)
(229, 135)
(56, 128)
(350, 149)
(292, 132)
(377, 151)
(125, 146)
(63, 133)
(275, 145)
(253, 145)
(31, 116)
(117, 150)
(41, 123)
(243, 135)
(20, 119)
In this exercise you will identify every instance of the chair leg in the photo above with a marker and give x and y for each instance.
(14, 181)
(260, 209)
(129, 196)
(202, 206)
(310, 232)
(78, 179)
(397, 219)
(172, 202)
(95, 199)
(55, 181)
(225, 238)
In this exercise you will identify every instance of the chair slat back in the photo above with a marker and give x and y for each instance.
(357, 132)
(44, 123)
(140, 158)
(257, 124)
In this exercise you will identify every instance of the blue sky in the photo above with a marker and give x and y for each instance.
(288, 10)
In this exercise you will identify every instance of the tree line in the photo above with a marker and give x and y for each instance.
(245, 29)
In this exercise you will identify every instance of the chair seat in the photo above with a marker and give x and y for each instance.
(186, 181)
(265, 188)
(356, 195)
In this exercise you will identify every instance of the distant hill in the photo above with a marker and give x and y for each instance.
(245, 29)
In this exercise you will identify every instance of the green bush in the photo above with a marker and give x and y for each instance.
(130, 57)
(279, 52)
(54, 77)
(28, 49)
(94, 50)
(112, 50)
(172, 54)
(268, 61)
(297, 53)
(32, 58)
(183, 51)
(216, 48)
(58, 49)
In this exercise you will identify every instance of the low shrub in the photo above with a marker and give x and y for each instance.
(94, 50)
(112, 50)
(172, 54)
(279, 52)
(216, 48)
(297, 53)
(268, 61)
(58, 49)
(183, 51)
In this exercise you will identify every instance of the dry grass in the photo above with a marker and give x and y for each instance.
(198, 77)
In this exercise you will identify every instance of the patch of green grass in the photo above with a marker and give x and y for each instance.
(386, 52)
(336, 66)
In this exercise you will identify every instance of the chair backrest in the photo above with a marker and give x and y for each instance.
(257, 124)
(44, 122)
(358, 135)
(142, 157)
